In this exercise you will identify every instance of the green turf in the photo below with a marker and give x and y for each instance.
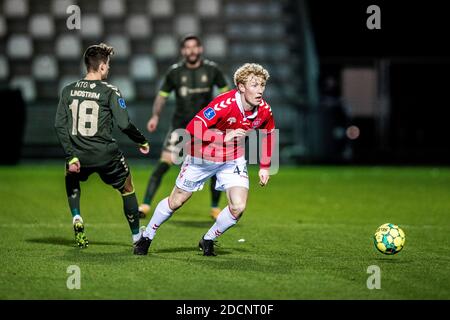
(307, 236)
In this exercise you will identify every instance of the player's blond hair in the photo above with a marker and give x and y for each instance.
(243, 73)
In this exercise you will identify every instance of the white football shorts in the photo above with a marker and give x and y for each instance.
(195, 171)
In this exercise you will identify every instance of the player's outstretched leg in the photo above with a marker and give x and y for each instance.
(228, 217)
(130, 208)
(73, 191)
(215, 198)
(163, 211)
(152, 187)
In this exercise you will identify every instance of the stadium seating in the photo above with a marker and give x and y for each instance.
(40, 54)
(92, 27)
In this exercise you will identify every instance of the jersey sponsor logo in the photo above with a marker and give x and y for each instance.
(198, 90)
(81, 84)
(246, 124)
(209, 113)
(189, 183)
(122, 103)
(231, 120)
(184, 91)
(92, 85)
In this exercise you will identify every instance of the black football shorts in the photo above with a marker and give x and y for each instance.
(114, 173)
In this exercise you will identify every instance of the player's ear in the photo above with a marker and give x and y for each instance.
(102, 67)
(241, 87)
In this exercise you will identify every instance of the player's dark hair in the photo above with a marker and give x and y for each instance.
(190, 37)
(96, 54)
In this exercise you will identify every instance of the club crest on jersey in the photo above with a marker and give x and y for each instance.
(231, 120)
(256, 123)
(92, 85)
(122, 103)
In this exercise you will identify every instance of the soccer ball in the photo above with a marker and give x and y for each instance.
(389, 239)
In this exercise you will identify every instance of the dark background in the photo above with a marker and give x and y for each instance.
(413, 38)
(408, 28)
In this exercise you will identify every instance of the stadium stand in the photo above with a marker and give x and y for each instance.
(41, 54)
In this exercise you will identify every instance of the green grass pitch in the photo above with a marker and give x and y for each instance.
(308, 235)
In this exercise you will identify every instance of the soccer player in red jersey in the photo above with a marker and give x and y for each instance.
(216, 147)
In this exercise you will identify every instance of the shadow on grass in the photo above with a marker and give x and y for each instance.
(231, 260)
(101, 258)
(71, 243)
(394, 261)
(178, 249)
(193, 224)
(190, 249)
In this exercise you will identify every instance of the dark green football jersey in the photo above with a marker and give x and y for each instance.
(86, 113)
(193, 89)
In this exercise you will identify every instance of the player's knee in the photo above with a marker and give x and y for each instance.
(167, 157)
(177, 199)
(175, 203)
(237, 209)
(127, 189)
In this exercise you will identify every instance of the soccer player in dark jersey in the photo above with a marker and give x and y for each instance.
(192, 80)
(84, 121)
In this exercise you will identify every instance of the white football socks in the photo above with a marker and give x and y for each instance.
(225, 220)
(162, 214)
(135, 237)
(77, 217)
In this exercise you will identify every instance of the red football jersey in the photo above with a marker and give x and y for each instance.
(209, 127)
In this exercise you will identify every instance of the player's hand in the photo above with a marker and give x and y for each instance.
(144, 148)
(74, 166)
(237, 133)
(263, 177)
(152, 124)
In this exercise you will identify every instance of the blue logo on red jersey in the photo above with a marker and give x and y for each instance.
(122, 103)
(209, 113)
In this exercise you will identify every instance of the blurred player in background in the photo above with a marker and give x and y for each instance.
(84, 122)
(193, 80)
(217, 148)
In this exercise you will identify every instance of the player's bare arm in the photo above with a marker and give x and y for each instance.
(74, 165)
(144, 148)
(158, 106)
